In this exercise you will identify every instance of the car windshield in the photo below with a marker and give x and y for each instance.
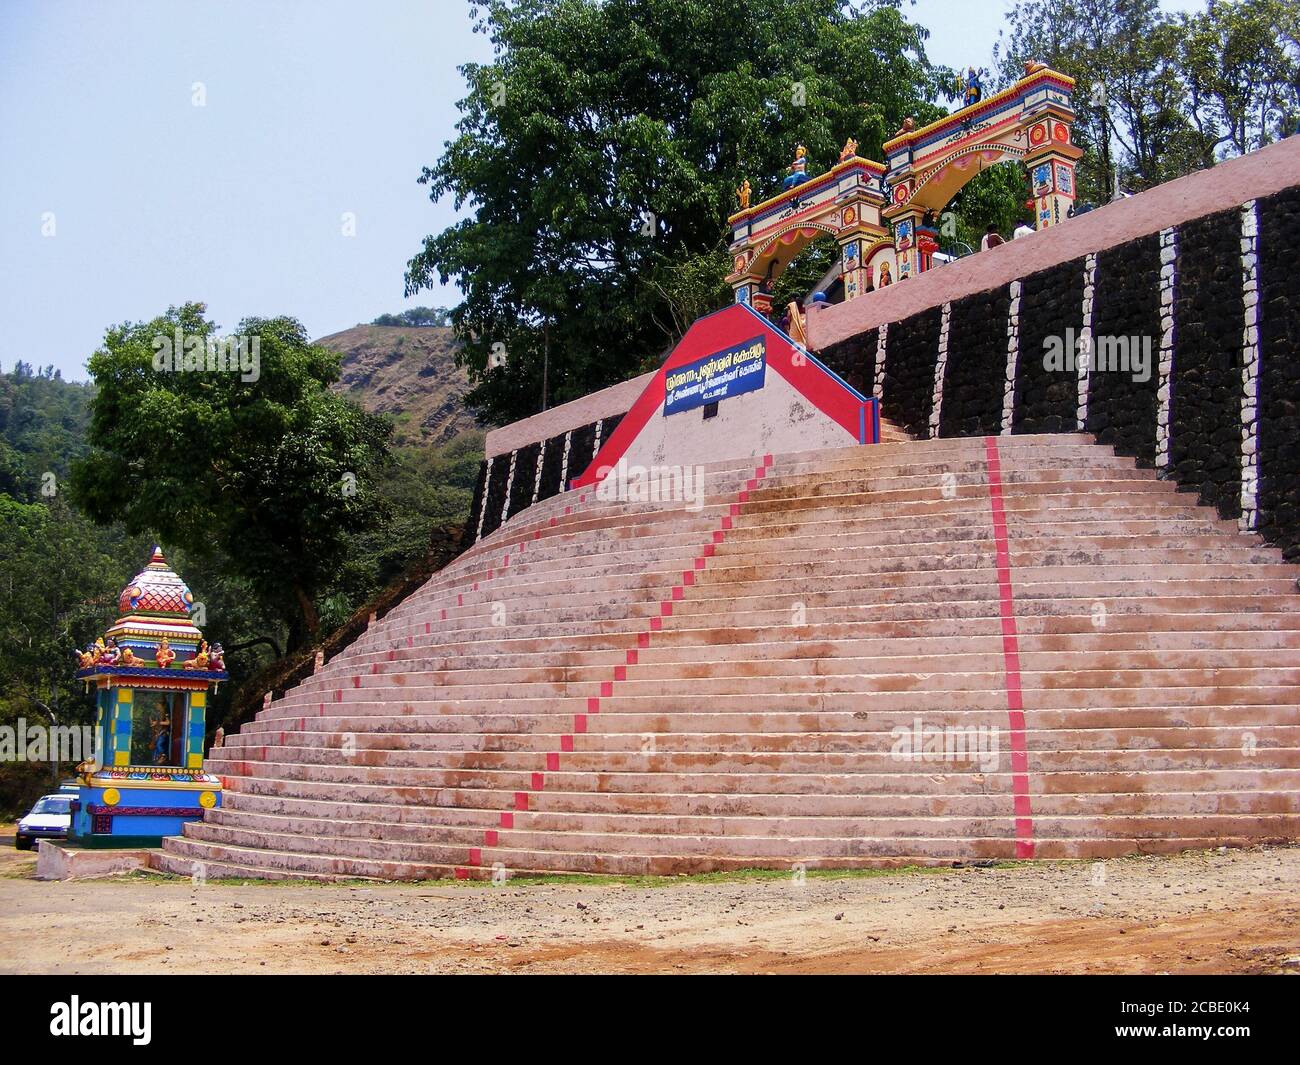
(53, 804)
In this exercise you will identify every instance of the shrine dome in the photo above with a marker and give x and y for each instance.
(156, 590)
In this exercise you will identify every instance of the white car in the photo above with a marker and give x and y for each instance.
(50, 818)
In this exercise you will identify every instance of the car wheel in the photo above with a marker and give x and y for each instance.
(23, 843)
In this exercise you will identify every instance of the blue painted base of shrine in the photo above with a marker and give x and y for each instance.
(123, 813)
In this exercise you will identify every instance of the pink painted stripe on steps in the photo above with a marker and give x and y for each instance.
(1010, 657)
(491, 837)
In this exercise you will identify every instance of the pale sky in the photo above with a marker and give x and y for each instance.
(120, 196)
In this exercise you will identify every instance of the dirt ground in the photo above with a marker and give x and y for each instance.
(1215, 912)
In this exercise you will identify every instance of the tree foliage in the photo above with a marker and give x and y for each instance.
(1158, 95)
(416, 316)
(270, 477)
(598, 156)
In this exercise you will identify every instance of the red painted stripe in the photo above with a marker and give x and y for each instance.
(619, 673)
(1010, 657)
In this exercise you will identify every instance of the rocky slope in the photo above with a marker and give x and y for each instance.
(408, 372)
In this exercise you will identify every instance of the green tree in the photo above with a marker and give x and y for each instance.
(416, 316)
(266, 478)
(1156, 95)
(1241, 65)
(996, 196)
(59, 579)
(600, 153)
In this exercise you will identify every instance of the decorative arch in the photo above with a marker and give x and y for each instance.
(862, 203)
(992, 154)
(796, 237)
(843, 203)
(1030, 121)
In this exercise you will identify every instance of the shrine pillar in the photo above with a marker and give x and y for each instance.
(905, 220)
(1050, 162)
(859, 229)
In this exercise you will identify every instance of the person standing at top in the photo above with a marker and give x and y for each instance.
(1022, 230)
(991, 238)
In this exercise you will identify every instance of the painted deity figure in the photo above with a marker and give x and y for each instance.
(108, 652)
(162, 740)
(885, 279)
(86, 658)
(849, 150)
(744, 192)
(972, 88)
(798, 169)
(200, 659)
(164, 656)
(217, 659)
(129, 658)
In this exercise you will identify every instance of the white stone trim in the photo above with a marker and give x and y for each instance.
(510, 483)
(1168, 292)
(1250, 358)
(1013, 359)
(882, 340)
(940, 364)
(537, 478)
(482, 507)
(564, 461)
(1085, 353)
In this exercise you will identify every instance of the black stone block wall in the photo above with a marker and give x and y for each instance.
(1051, 301)
(495, 497)
(854, 360)
(910, 353)
(551, 463)
(976, 372)
(1205, 397)
(471, 526)
(1279, 384)
(521, 489)
(607, 430)
(1126, 303)
(582, 450)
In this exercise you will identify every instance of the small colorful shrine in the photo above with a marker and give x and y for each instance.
(151, 672)
(882, 215)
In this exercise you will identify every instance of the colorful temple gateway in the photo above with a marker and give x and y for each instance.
(151, 671)
(882, 215)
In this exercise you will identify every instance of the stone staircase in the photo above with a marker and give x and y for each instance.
(916, 651)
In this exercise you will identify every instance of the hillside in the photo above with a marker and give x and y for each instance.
(408, 372)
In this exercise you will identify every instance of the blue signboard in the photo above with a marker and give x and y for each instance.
(732, 372)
